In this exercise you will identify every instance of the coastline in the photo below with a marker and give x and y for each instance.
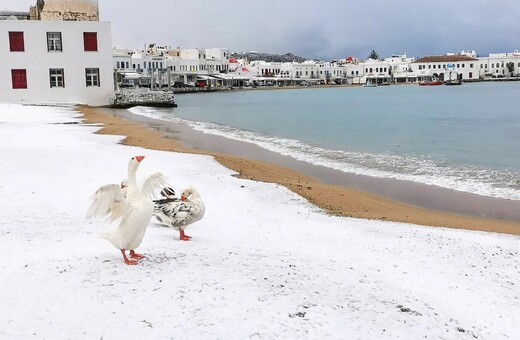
(335, 198)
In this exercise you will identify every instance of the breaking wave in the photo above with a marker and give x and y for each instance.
(471, 179)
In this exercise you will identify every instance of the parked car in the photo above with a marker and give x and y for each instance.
(179, 84)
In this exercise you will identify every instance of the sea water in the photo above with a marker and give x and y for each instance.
(465, 137)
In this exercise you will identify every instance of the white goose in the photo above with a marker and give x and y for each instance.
(178, 214)
(130, 205)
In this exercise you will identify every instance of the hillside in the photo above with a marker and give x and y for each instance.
(253, 55)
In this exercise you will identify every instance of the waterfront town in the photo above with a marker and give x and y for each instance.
(77, 62)
(331, 212)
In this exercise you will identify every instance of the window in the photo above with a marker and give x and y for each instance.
(16, 43)
(471, 74)
(117, 64)
(56, 77)
(470, 65)
(90, 41)
(54, 41)
(19, 78)
(92, 76)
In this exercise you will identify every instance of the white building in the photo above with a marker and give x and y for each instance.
(353, 71)
(444, 67)
(330, 72)
(401, 70)
(306, 70)
(376, 71)
(56, 61)
(218, 58)
(500, 65)
(122, 59)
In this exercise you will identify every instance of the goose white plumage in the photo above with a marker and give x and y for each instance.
(178, 214)
(130, 205)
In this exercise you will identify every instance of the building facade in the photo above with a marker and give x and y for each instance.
(56, 62)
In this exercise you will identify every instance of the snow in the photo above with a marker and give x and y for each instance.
(263, 262)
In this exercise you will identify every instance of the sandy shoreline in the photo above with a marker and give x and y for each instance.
(335, 199)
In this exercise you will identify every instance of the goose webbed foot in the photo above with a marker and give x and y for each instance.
(135, 255)
(128, 261)
(183, 236)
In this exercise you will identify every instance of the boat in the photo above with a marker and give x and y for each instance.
(370, 84)
(430, 82)
(453, 82)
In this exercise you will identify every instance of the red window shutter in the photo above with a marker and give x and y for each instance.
(90, 41)
(16, 43)
(19, 78)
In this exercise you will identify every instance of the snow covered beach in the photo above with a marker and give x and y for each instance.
(263, 263)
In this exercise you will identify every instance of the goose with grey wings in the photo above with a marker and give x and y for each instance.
(178, 214)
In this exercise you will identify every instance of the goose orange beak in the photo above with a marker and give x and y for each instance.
(139, 158)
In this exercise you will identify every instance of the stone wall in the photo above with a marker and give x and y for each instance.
(65, 10)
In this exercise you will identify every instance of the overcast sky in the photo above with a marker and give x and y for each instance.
(314, 29)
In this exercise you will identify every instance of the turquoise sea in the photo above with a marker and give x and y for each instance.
(465, 137)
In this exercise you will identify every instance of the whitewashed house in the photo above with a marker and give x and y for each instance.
(353, 72)
(122, 59)
(376, 71)
(401, 69)
(56, 61)
(500, 65)
(330, 72)
(306, 70)
(218, 58)
(444, 67)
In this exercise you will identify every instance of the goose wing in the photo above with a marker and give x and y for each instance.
(153, 183)
(178, 211)
(108, 201)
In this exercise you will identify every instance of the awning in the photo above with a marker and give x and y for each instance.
(201, 77)
(131, 75)
(227, 76)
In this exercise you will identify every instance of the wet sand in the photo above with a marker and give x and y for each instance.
(334, 191)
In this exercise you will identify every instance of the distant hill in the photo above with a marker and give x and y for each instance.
(281, 58)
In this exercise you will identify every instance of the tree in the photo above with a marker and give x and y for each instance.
(510, 67)
(373, 55)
